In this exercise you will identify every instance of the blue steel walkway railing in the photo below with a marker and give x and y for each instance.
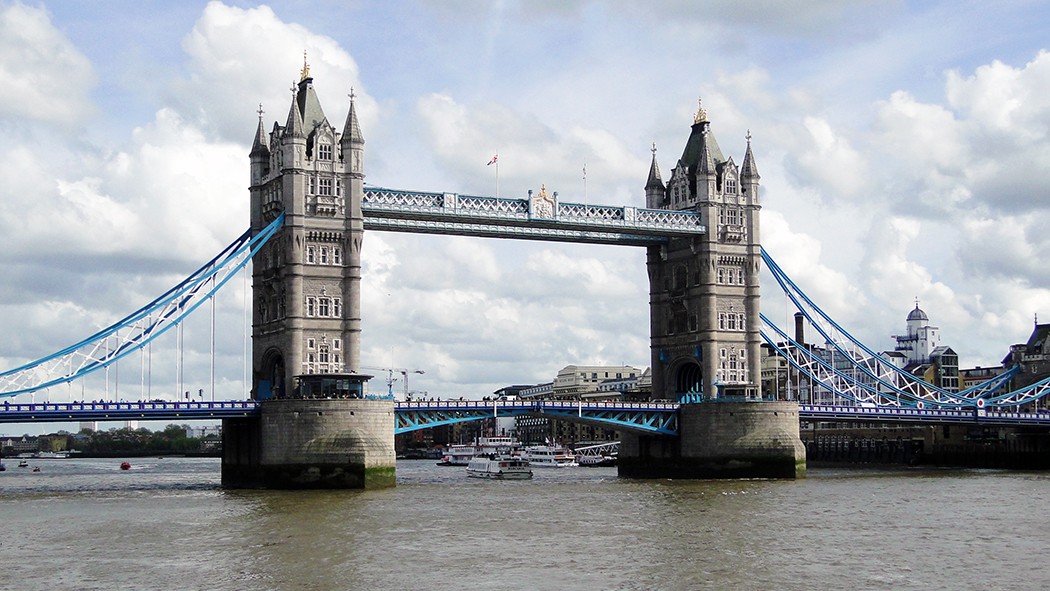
(638, 417)
(56, 412)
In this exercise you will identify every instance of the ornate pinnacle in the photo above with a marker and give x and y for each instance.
(701, 114)
(306, 69)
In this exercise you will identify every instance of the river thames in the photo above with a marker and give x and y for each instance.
(166, 524)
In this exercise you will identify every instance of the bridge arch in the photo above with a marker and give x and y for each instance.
(688, 381)
(272, 382)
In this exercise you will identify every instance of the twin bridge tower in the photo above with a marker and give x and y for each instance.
(317, 430)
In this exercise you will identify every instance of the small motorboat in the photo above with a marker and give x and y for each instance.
(36, 468)
(125, 466)
(23, 464)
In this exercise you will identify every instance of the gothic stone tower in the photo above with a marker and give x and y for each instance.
(704, 291)
(307, 279)
(316, 429)
(703, 296)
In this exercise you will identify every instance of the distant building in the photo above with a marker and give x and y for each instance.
(580, 382)
(920, 340)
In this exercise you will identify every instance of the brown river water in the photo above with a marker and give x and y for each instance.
(166, 524)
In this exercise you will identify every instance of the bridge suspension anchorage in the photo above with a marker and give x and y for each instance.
(136, 331)
(848, 369)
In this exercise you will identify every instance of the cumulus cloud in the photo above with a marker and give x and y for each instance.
(464, 138)
(239, 58)
(43, 77)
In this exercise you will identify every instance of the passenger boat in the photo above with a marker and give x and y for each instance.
(499, 467)
(596, 461)
(549, 456)
(23, 464)
(460, 455)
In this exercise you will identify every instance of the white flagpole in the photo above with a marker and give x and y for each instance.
(497, 174)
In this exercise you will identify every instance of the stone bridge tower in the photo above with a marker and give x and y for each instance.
(704, 322)
(317, 428)
(704, 290)
(306, 283)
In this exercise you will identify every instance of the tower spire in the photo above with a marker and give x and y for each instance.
(294, 127)
(748, 168)
(654, 174)
(352, 129)
(261, 145)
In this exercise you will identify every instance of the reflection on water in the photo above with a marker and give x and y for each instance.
(166, 524)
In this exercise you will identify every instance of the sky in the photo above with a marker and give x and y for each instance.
(903, 149)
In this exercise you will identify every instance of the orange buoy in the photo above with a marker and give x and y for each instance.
(125, 466)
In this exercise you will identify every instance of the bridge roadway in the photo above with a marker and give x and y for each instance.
(652, 417)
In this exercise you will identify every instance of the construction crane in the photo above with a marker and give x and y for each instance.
(390, 379)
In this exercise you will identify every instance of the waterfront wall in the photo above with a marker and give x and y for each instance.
(721, 440)
(968, 446)
(313, 443)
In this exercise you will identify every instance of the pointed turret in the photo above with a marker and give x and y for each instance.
(748, 169)
(352, 129)
(261, 145)
(294, 127)
(654, 187)
(749, 175)
(705, 161)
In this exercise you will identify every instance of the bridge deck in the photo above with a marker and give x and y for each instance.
(495, 217)
(639, 416)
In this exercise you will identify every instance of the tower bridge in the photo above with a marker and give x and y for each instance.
(309, 422)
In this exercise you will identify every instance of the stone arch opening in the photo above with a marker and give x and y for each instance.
(272, 382)
(689, 382)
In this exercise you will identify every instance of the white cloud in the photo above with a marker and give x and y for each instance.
(42, 75)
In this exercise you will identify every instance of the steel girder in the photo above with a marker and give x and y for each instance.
(52, 412)
(624, 416)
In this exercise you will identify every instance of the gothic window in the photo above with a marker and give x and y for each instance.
(730, 186)
(310, 343)
(692, 323)
(335, 344)
(310, 255)
(722, 326)
(310, 358)
(310, 304)
(743, 354)
(732, 217)
(338, 187)
(732, 322)
(324, 256)
(324, 151)
(335, 308)
(337, 358)
(325, 187)
(721, 275)
(322, 307)
(313, 185)
(336, 255)
(322, 355)
(722, 215)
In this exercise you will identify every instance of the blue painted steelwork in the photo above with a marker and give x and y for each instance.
(915, 415)
(52, 412)
(889, 385)
(491, 217)
(652, 417)
(134, 332)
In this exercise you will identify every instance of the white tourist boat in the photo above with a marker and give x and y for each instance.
(460, 455)
(499, 467)
(549, 456)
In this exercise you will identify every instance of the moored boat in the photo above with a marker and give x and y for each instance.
(596, 461)
(23, 464)
(549, 456)
(499, 468)
(460, 455)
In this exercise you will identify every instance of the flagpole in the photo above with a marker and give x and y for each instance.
(585, 183)
(497, 174)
